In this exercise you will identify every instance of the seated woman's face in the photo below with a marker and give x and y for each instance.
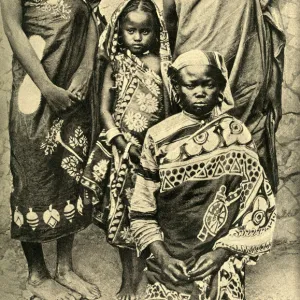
(198, 91)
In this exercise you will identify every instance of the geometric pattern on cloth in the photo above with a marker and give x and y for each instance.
(234, 162)
(158, 291)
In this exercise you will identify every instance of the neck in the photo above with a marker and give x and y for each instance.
(206, 117)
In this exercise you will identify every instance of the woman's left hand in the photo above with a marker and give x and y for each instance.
(209, 264)
(80, 82)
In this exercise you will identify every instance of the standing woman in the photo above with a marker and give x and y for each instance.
(249, 35)
(54, 44)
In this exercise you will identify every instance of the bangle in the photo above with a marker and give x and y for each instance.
(125, 154)
(112, 133)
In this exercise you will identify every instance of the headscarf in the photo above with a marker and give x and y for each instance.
(108, 45)
(207, 58)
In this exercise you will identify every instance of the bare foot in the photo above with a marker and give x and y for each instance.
(73, 281)
(49, 289)
(126, 293)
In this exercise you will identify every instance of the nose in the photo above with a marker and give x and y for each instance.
(200, 92)
(137, 36)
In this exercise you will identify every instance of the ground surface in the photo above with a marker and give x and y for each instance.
(273, 278)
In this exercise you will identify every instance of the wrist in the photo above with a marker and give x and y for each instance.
(45, 87)
(225, 253)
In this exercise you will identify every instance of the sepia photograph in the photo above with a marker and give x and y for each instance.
(150, 149)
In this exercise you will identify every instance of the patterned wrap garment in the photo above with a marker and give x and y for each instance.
(200, 187)
(140, 102)
(49, 152)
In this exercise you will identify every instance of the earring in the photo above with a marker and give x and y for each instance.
(221, 97)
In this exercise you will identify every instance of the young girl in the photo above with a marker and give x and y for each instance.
(132, 100)
(202, 204)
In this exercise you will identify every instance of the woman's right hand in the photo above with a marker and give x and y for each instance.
(174, 270)
(58, 98)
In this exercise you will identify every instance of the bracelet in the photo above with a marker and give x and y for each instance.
(125, 154)
(112, 133)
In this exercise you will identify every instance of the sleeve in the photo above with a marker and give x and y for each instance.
(144, 226)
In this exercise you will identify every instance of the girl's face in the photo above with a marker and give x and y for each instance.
(137, 30)
(198, 91)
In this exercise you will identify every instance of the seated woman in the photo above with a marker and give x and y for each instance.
(202, 204)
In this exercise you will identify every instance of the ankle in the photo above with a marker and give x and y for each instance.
(36, 278)
(62, 271)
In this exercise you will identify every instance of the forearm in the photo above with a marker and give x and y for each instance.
(26, 55)
(171, 20)
(158, 249)
(91, 45)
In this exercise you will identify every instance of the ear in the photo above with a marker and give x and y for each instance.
(176, 87)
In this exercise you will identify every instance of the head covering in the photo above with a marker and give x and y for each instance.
(207, 58)
(108, 46)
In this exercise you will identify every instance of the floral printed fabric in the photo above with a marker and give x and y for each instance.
(140, 103)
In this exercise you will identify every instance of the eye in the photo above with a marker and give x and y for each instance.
(130, 30)
(146, 32)
(189, 86)
(211, 85)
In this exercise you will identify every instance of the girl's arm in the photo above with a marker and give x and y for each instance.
(171, 20)
(106, 107)
(58, 98)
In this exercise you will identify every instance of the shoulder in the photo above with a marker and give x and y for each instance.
(234, 131)
(165, 127)
(152, 61)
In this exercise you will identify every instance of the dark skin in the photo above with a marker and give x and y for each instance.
(171, 19)
(138, 36)
(67, 285)
(198, 93)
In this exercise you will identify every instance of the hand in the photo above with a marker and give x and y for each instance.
(58, 98)
(174, 270)
(209, 263)
(135, 154)
(80, 82)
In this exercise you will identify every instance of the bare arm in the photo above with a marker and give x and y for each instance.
(12, 23)
(81, 78)
(106, 107)
(171, 20)
(58, 98)
(91, 44)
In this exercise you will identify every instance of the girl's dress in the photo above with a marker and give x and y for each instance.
(49, 152)
(249, 34)
(140, 102)
(201, 187)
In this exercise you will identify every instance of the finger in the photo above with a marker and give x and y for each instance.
(73, 97)
(72, 87)
(202, 271)
(171, 277)
(182, 266)
(205, 274)
(196, 266)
